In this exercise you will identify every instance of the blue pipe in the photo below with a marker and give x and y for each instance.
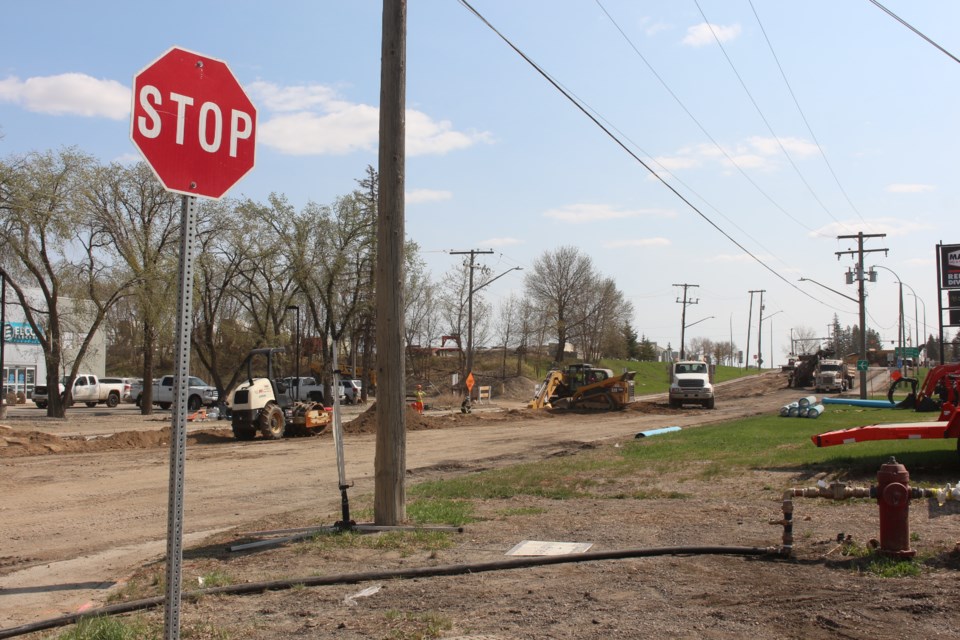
(656, 432)
(856, 402)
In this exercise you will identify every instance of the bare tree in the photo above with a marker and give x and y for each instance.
(805, 340)
(509, 326)
(557, 282)
(142, 220)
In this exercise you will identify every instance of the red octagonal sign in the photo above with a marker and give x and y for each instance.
(193, 123)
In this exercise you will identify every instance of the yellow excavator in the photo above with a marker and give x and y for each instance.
(583, 386)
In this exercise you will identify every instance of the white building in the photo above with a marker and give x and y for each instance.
(23, 363)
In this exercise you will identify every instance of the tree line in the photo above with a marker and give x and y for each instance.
(94, 247)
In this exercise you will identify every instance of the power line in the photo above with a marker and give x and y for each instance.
(914, 29)
(803, 116)
(763, 117)
(620, 143)
(703, 129)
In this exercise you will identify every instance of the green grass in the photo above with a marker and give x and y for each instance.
(405, 542)
(107, 628)
(772, 442)
(440, 511)
(763, 442)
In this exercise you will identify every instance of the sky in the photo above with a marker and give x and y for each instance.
(739, 138)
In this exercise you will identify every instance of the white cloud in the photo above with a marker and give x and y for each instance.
(313, 120)
(703, 34)
(416, 196)
(637, 242)
(755, 152)
(652, 28)
(581, 213)
(909, 188)
(68, 94)
(892, 227)
(795, 146)
(500, 242)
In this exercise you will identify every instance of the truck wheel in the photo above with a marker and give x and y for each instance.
(272, 422)
(139, 398)
(194, 403)
(164, 405)
(113, 400)
(41, 405)
(90, 404)
(710, 404)
(674, 404)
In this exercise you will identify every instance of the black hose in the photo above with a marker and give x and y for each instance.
(395, 574)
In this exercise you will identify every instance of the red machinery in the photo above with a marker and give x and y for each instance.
(939, 386)
(948, 426)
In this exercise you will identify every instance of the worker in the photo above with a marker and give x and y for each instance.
(419, 402)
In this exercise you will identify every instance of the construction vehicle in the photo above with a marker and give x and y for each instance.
(939, 386)
(262, 404)
(831, 376)
(583, 386)
(690, 384)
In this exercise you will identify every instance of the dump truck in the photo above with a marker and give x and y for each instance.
(583, 386)
(690, 384)
(831, 376)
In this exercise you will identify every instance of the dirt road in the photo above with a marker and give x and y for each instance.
(73, 524)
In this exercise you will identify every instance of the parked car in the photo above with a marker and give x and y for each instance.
(87, 388)
(199, 393)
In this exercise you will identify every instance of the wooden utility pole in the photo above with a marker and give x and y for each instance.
(389, 502)
(683, 314)
(862, 297)
(470, 290)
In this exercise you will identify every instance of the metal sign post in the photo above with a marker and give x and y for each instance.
(178, 439)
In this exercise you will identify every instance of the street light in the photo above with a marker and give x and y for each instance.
(915, 319)
(296, 308)
(901, 336)
(759, 356)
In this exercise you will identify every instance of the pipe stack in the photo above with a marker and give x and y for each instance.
(806, 407)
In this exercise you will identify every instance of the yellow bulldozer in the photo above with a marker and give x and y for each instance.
(583, 386)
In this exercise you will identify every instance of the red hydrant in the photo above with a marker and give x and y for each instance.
(893, 496)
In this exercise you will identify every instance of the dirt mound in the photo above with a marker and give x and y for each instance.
(15, 443)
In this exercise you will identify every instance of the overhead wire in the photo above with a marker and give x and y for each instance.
(803, 116)
(914, 29)
(697, 122)
(763, 117)
(639, 160)
(703, 129)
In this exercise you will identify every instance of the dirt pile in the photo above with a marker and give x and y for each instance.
(16, 443)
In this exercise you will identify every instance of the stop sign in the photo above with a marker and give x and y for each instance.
(193, 123)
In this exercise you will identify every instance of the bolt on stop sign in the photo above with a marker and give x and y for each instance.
(193, 123)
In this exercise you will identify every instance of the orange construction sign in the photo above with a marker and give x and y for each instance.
(469, 382)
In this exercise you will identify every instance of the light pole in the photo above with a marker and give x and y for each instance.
(771, 333)
(901, 335)
(916, 320)
(296, 308)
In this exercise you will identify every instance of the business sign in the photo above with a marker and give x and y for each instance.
(953, 305)
(950, 266)
(19, 333)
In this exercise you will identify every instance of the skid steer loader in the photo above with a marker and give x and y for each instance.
(262, 405)
(583, 386)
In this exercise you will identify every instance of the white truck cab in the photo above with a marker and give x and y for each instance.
(690, 384)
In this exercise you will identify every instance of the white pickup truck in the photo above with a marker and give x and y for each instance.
(199, 393)
(86, 388)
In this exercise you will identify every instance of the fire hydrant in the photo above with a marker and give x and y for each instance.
(893, 496)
